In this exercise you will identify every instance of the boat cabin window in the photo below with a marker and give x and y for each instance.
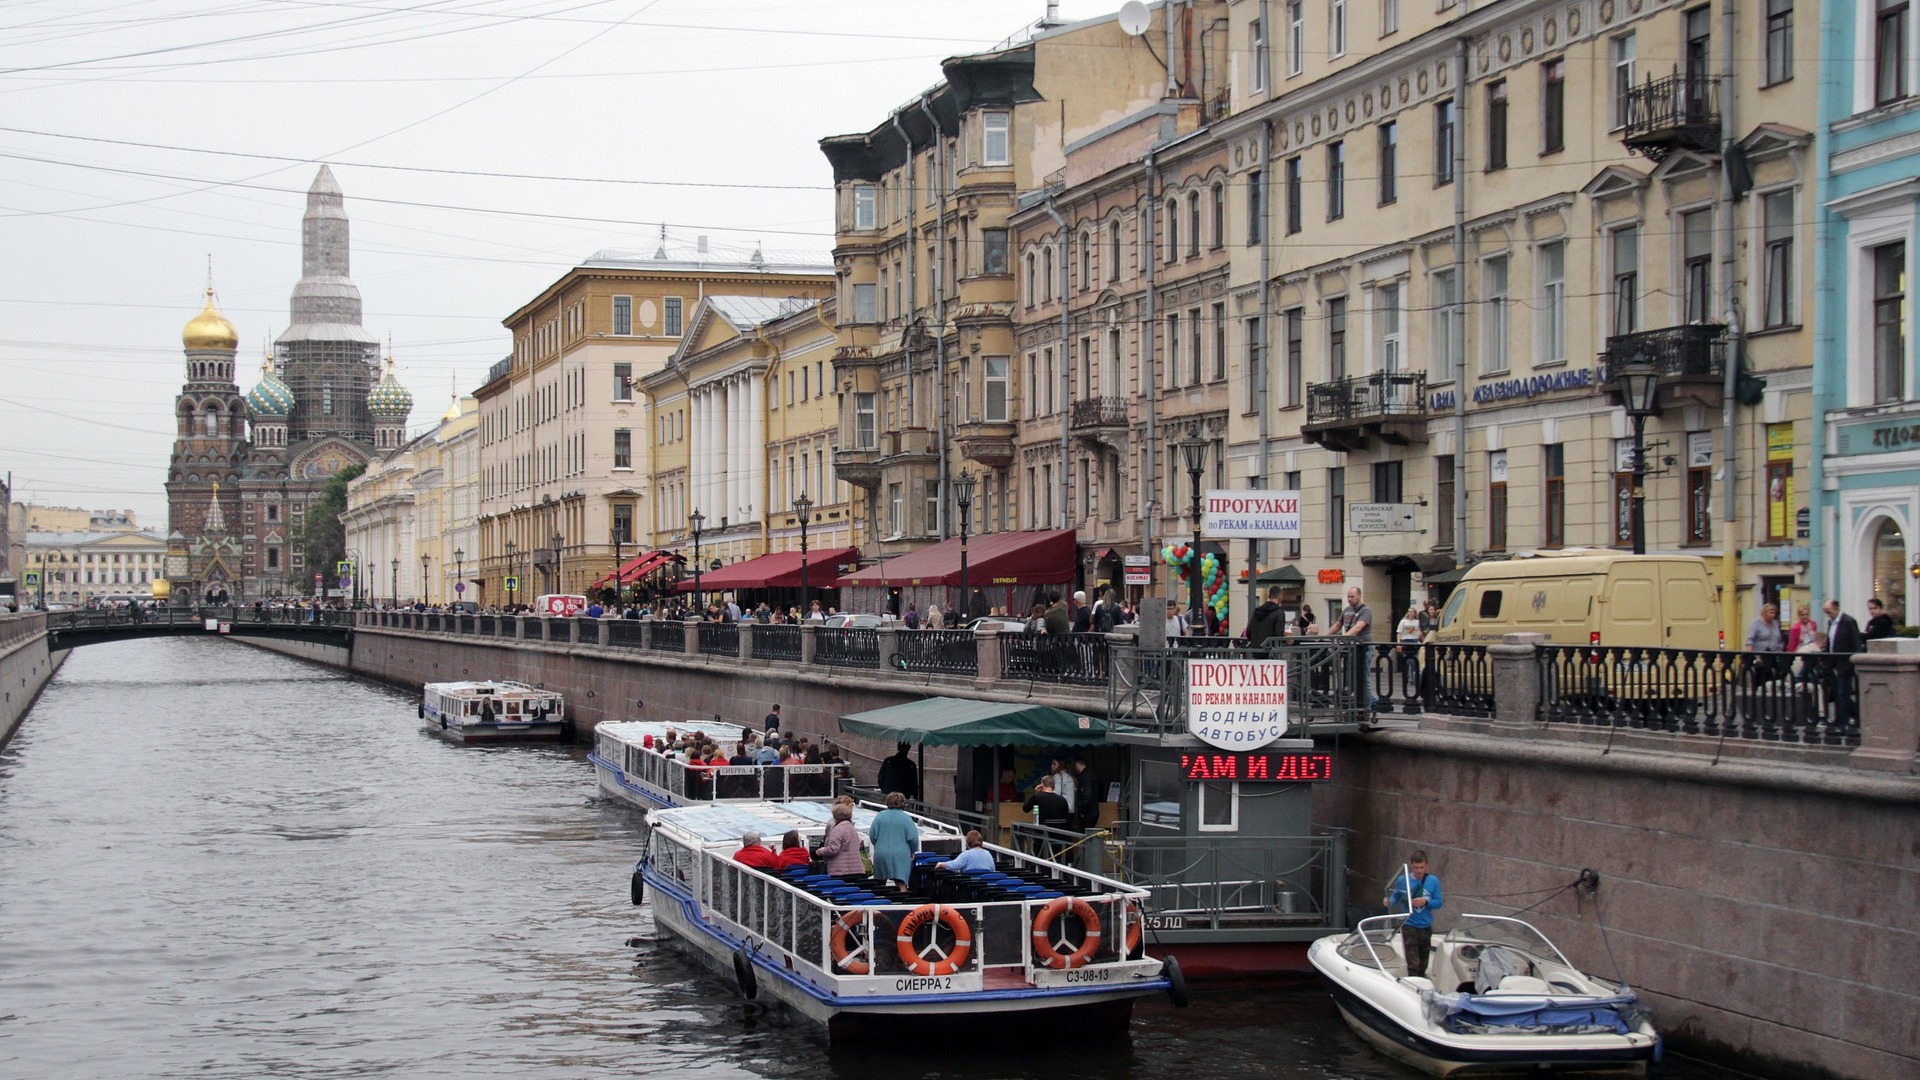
(1161, 791)
(1219, 807)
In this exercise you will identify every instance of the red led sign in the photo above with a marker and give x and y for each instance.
(1280, 767)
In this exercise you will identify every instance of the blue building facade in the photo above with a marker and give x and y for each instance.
(1866, 461)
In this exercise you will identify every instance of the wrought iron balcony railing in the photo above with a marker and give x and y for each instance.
(1099, 412)
(1679, 112)
(1696, 352)
(1368, 397)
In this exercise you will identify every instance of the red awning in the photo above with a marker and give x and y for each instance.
(1013, 558)
(638, 567)
(777, 570)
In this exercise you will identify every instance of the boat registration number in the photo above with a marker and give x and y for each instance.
(928, 982)
(1165, 922)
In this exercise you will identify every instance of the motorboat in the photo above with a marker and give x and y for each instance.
(489, 711)
(631, 761)
(1497, 997)
(1030, 944)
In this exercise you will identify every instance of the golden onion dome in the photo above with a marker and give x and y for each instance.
(210, 329)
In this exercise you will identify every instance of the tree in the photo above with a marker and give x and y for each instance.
(323, 538)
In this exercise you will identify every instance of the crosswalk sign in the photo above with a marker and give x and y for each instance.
(343, 568)
(513, 584)
(31, 579)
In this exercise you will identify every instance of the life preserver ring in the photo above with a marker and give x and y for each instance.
(947, 963)
(852, 954)
(1046, 953)
(1135, 922)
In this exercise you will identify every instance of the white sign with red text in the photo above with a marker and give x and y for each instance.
(555, 604)
(1256, 515)
(1237, 704)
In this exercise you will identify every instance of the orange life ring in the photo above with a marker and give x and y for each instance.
(848, 948)
(1135, 921)
(1046, 953)
(947, 963)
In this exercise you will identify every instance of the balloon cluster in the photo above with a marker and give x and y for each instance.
(1213, 583)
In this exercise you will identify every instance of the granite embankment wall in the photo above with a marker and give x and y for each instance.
(25, 667)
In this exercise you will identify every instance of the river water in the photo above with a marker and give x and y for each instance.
(218, 862)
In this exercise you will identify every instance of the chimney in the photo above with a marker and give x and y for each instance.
(700, 245)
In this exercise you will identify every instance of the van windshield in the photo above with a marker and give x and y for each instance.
(1452, 611)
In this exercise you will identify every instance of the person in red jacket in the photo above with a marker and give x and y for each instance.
(755, 854)
(793, 850)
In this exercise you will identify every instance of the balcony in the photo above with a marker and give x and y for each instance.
(1679, 112)
(861, 468)
(1348, 414)
(1691, 360)
(908, 443)
(1100, 420)
(988, 444)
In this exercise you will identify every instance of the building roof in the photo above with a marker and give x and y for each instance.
(675, 254)
(81, 539)
(751, 312)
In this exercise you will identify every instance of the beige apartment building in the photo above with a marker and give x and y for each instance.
(1472, 220)
(564, 461)
(743, 422)
(446, 501)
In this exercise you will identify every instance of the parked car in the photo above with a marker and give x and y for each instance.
(854, 621)
(1658, 601)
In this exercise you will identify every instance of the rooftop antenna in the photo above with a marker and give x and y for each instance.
(1134, 18)
(662, 253)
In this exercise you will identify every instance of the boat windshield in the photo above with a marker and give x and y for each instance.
(1372, 942)
(1511, 933)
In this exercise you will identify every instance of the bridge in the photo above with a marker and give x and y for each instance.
(71, 629)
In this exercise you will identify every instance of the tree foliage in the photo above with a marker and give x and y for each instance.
(324, 538)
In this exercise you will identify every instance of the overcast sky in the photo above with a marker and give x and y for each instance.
(142, 138)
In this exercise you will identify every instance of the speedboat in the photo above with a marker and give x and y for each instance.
(493, 711)
(1497, 997)
(630, 758)
(1031, 944)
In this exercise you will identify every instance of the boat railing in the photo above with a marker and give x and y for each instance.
(689, 783)
(1210, 881)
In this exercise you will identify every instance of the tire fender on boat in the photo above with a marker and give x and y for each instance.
(639, 888)
(744, 975)
(1045, 953)
(847, 949)
(423, 710)
(953, 920)
(1176, 982)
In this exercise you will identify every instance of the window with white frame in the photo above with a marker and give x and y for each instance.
(896, 510)
(623, 315)
(1443, 296)
(622, 448)
(1779, 41)
(1337, 27)
(1389, 327)
(865, 422)
(866, 303)
(1218, 805)
(1890, 77)
(1776, 212)
(1696, 265)
(1550, 268)
(996, 138)
(1296, 36)
(1257, 47)
(864, 216)
(1889, 322)
(1389, 17)
(1623, 52)
(1625, 291)
(1494, 307)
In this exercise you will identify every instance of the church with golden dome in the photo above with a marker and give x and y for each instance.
(245, 467)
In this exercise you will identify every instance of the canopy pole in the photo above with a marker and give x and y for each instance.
(994, 779)
(921, 780)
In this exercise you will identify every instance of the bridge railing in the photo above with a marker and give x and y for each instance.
(1452, 679)
(1809, 698)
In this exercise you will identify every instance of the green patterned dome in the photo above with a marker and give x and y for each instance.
(271, 399)
(388, 398)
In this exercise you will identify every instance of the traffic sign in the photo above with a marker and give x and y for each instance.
(513, 584)
(343, 568)
(459, 588)
(31, 579)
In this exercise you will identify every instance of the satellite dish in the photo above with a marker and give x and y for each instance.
(1134, 18)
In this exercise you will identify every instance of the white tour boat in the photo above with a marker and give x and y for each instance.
(629, 759)
(1497, 997)
(1031, 944)
(493, 711)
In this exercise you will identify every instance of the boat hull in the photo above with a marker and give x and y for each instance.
(1223, 959)
(474, 734)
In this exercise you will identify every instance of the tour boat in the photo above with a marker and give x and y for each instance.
(1033, 944)
(493, 711)
(629, 758)
(1497, 997)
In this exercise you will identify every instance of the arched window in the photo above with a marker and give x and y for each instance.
(1173, 229)
(1193, 223)
(1219, 214)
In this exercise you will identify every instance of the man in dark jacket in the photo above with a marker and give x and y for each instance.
(1086, 796)
(898, 773)
(1843, 634)
(1843, 637)
(1054, 812)
(1268, 621)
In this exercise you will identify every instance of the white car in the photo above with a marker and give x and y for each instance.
(854, 621)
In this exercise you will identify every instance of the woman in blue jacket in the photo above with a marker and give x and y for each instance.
(895, 838)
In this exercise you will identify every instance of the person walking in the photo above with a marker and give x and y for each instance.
(1802, 630)
(1269, 619)
(1416, 891)
(1879, 623)
(841, 848)
(895, 838)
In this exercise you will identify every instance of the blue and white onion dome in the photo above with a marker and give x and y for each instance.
(271, 398)
(388, 398)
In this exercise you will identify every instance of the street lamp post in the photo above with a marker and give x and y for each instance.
(393, 585)
(426, 594)
(1640, 388)
(803, 509)
(1194, 449)
(513, 595)
(619, 584)
(694, 521)
(43, 581)
(557, 586)
(963, 499)
(459, 573)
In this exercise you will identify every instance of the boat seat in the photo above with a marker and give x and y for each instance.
(1526, 985)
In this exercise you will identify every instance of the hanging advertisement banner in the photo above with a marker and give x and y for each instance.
(1253, 515)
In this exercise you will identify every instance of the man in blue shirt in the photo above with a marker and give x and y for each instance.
(975, 859)
(1419, 892)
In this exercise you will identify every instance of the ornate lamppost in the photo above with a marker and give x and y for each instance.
(393, 584)
(963, 500)
(694, 521)
(513, 594)
(1640, 390)
(1194, 449)
(426, 594)
(557, 587)
(803, 510)
(459, 573)
(619, 582)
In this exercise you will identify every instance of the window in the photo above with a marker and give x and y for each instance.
(1296, 35)
(1337, 338)
(1776, 212)
(865, 422)
(1219, 342)
(1257, 46)
(1293, 194)
(1889, 322)
(1389, 17)
(1386, 481)
(993, 248)
(1218, 805)
(1443, 143)
(1193, 223)
(623, 315)
(866, 305)
(1496, 500)
(622, 448)
(623, 382)
(1196, 357)
(1086, 260)
(1053, 380)
(1623, 52)
(1890, 51)
(1046, 275)
(1389, 331)
(1336, 181)
(1294, 320)
(1443, 295)
(864, 216)
(1336, 511)
(1256, 209)
(896, 510)
(1554, 460)
(1550, 266)
(1337, 27)
(1699, 508)
(1494, 305)
(1113, 251)
(1256, 342)
(1696, 265)
(1173, 349)
(1443, 500)
(996, 146)
(623, 522)
(1173, 229)
(1389, 162)
(1779, 45)
(1291, 482)
(1626, 279)
(1780, 523)
(1219, 216)
(672, 307)
(1497, 125)
(1033, 279)
(1553, 106)
(1696, 55)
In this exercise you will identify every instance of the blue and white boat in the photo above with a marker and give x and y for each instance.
(490, 711)
(1031, 944)
(630, 761)
(1498, 997)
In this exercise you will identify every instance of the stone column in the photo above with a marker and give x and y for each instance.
(603, 634)
(1889, 674)
(809, 642)
(756, 445)
(986, 648)
(691, 628)
(889, 644)
(1516, 679)
(747, 630)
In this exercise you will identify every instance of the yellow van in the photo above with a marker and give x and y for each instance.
(1648, 601)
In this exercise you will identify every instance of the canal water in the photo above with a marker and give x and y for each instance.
(218, 862)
